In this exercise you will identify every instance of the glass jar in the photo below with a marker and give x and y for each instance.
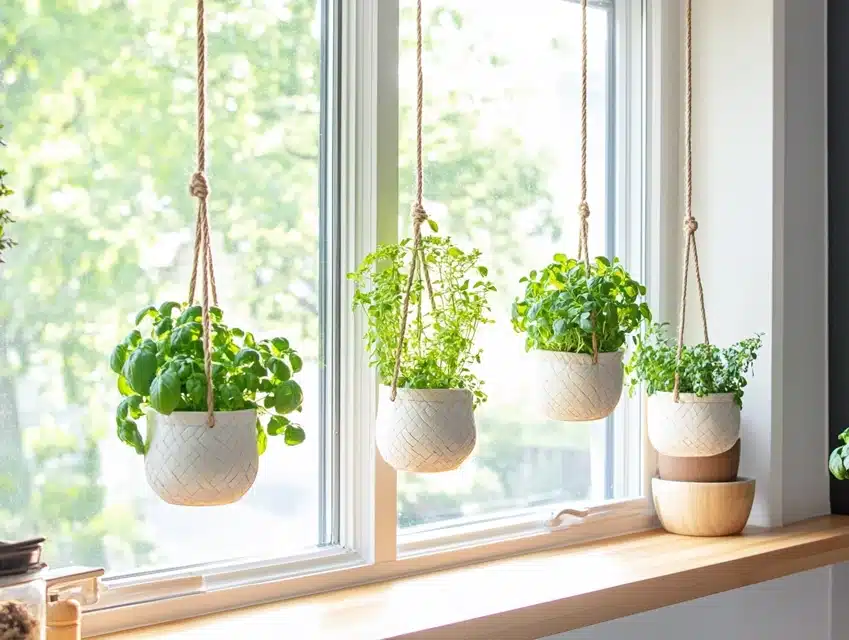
(23, 606)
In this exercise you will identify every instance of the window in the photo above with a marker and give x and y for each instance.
(98, 102)
(311, 161)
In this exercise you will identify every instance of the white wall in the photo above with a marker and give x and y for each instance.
(793, 608)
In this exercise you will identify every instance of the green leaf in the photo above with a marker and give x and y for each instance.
(844, 436)
(278, 425)
(139, 370)
(295, 435)
(247, 356)
(128, 433)
(288, 397)
(279, 369)
(249, 340)
(124, 387)
(432, 224)
(281, 344)
(261, 438)
(130, 407)
(166, 308)
(296, 362)
(835, 464)
(192, 314)
(144, 313)
(165, 392)
(216, 314)
(118, 358)
(133, 339)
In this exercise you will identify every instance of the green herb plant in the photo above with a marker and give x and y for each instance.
(704, 368)
(564, 303)
(838, 461)
(165, 372)
(5, 219)
(439, 348)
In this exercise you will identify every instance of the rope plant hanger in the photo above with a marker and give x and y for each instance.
(427, 426)
(205, 391)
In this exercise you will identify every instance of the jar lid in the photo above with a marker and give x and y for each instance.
(19, 558)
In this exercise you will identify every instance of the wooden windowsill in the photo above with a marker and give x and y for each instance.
(534, 595)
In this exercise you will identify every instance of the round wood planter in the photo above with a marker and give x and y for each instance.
(695, 426)
(722, 467)
(704, 509)
(190, 464)
(572, 388)
(426, 430)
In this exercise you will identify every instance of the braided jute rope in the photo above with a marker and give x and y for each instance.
(584, 207)
(690, 223)
(199, 188)
(419, 216)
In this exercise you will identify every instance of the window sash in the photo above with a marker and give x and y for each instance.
(361, 540)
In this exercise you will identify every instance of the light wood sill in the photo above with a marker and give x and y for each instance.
(534, 595)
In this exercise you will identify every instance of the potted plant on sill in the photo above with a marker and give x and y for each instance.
(5, 216)
(704, 420)
(576, 316)
(429, 426)
(187, 462)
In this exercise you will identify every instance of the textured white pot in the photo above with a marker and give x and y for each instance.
(187, 463)
(570, 387)
(694, 426)
(425, 430)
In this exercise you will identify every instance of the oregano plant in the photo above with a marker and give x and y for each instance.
(5, 216)
(439, 350)
(704, 368)
(565, 302)
(165, 372)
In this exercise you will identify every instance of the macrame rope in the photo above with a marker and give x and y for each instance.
(199, 188)
(690, 223)
(419, 215)
(584, 207)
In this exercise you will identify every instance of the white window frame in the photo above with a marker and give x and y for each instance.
(367, 194)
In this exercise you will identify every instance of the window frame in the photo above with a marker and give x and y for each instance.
(362, 541)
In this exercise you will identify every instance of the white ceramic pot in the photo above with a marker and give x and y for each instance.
(694, 426)
(572, 388)
(190, 464)
(425, 430)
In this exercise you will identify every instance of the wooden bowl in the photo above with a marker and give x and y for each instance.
(705, 509)
(719, 468)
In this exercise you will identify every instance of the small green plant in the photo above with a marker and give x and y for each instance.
(564, 304)
(166, 373)
(838, 462)
(704, 368)
(5, 216)
(439, 348)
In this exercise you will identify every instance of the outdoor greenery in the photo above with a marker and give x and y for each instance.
(704, 368)
(166, 373)
(99, 102)
(5, 216)
(439, 348)
(565, 303)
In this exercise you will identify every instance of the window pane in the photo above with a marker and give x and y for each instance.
(98, 99)
(502, 149)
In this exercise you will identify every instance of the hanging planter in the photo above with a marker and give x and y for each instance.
(421, 335)
(693, 425)
(202, 383)
(577, 314)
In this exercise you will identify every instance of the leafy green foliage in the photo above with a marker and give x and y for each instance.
(439, 348)
(5, 219)
(704, 368)
(166, 372)
(838, 461)
(564, 303)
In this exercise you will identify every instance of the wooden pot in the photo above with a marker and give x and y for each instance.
(717, 468)
(705, 509)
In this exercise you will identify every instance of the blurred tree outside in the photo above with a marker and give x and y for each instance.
(98, 101)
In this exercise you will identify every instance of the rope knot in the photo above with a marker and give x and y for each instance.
(199, 187)
(691, 225)
(584, 210)
(419, 214)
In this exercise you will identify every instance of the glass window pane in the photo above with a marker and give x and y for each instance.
(98, 101)
(502, 150)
